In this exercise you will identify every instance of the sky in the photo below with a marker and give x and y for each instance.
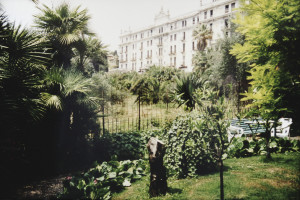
(108, 17)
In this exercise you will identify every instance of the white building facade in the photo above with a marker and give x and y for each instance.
(169, 42)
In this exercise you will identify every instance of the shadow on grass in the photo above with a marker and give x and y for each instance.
(174, 190)
(287, 161)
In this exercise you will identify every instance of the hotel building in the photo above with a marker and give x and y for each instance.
(169, 42)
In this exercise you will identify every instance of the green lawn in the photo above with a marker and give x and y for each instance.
(245, 178)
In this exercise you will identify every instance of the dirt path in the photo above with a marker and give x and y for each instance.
(45, 189)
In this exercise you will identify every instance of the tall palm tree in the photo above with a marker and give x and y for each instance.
(91, 51)
(64, 27)
(202, 34)
(73, 110)
(23, 54)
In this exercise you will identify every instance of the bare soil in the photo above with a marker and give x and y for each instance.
(44, 189)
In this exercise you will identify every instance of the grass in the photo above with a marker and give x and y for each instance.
(245, 178)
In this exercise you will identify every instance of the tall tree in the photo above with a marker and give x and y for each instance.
(63, 27)
(272, 32)
(202, 34)
(90, 51)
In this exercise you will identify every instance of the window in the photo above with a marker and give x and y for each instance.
(147, 43)
(232, 6)
(197, 19)
(174, 36)
(151, 53)
(193, 20)
(193, 46)
(205, 15)
(183, 36)
(150, 42)
(174, 48)
(211, 13)
(183, 47)
(185, 23)
(183, 60)
(141, 55)
(171, 27)
(170, 49)
(141, 46)
(226, 8)
(226, 23)
(133, 46)
(171, 37)
(175, 61)
(211, 26)
(171, 61)
(126, 48)
(182, 23)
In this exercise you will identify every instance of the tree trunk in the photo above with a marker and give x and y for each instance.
(268, 135)
(221, 179)
(158, 178)
(139, 112)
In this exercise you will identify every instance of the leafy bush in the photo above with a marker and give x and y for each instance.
(188, 149)
(124, 146)
(99, 182)
(241, 147)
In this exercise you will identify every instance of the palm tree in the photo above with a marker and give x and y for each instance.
(63, 27)
(202, 34)
(23, 54)
(72, 108)
(90, 51)
(184, 90)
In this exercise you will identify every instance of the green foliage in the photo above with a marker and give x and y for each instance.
(63, 27)
(202, 34)
(126, 145)
(241, 147)
(99, 182)
(123, 146)
(162, 74)
(90, 55)
(188, 152)
(185, 86)
(271, 31)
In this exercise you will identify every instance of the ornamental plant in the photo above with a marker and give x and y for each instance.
(187, 154)
(99, 182)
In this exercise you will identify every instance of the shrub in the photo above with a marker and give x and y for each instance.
(188, 152)
(241, 147)
(99, 182)
(124, 146)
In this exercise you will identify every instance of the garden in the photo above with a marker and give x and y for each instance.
(64, 115)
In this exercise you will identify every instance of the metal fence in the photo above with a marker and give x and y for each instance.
(114, 125)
